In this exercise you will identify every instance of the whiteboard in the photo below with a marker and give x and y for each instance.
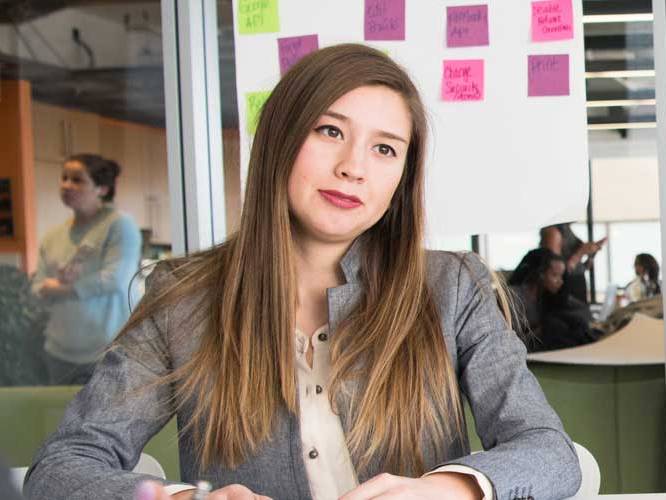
(507, 163)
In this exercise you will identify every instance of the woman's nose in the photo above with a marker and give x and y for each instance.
(352, 165)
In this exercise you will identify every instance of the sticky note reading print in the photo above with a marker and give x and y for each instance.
(258, 16)
(384, 20)
(552, 20)
(254, 101)
(548, 75)
(467, 26)
(292, 49)
(463, 80)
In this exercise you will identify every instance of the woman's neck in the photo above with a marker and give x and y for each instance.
(317, 269)
(84, 216)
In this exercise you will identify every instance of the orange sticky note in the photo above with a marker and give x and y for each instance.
(463, 80)
(552, 20)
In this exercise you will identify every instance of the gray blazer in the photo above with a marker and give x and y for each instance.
(528, 454)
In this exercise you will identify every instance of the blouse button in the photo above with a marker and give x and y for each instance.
(323, 337)
(319, 389)
(313, 453)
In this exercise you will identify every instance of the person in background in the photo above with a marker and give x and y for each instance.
(556, 319)
(320, 352)
(646, 283)
(561, 240)
(84, 270)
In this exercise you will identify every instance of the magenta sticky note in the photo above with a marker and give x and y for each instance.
(548, 75)
(293, 48)
(463, 80)
(467, 26)
(552, 20)
(384, 20)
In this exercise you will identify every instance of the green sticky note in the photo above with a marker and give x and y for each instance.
(258, 16)
(254, 101)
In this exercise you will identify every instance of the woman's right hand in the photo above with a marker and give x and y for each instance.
(151, 490)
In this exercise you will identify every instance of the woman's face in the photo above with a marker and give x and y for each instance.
(553, 277)
(77, 189)
(640, 270)
(350, 165)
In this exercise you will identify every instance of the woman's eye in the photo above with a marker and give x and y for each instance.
(330, 131)
(385, 150)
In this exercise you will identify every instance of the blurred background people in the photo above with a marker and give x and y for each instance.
(646, 283)
(85, 268)
(555, 318)
(578, 255)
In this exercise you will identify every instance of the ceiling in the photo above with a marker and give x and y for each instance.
(135, 91)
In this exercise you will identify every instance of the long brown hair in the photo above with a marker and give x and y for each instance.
(391, 347)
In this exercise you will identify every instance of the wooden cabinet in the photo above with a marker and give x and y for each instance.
(61, 132)
(143, 187)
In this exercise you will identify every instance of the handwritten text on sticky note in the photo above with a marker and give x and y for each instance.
(548, 75)
(258, 16)
(254, 102)
(463, 80)
(467, 26)
(293, 48)
(384, 20)
(552, 20)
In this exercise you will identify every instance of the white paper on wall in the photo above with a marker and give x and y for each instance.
(508, 162)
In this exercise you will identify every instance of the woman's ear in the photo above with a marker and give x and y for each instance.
(102, 191)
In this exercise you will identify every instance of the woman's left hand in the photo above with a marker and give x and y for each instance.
(439, 486)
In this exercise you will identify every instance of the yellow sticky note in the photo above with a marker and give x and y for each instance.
(254, 101)
(258, 16)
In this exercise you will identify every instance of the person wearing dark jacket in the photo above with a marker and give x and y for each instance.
(554, 316)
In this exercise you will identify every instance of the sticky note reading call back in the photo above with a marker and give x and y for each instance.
(384, 20)
(293, 48)
(548, 75)
(552, 20)
(467, 26)
(258, 16)
(463, 80)
(254, 102)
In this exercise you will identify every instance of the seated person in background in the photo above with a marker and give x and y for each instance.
(556, 318)
(646, 282)
(561, 240)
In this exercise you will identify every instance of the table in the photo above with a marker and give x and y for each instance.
(645, 496)
(611, 397)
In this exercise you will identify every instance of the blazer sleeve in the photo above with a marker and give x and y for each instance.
(108, 423)
(527, 453)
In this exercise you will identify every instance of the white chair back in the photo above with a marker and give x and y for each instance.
(589, 486)
(16, 476)
(146, 465)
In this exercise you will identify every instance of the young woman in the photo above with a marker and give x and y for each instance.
(85, 267)
(320, 352)
(646, 283)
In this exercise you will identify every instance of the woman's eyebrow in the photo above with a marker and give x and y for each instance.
(382, 133)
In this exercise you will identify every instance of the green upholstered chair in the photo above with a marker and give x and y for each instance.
(29, 414)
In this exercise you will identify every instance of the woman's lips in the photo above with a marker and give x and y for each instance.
(340, 200)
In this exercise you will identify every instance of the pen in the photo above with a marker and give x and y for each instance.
(203, 489)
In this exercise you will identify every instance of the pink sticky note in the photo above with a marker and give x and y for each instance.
(384, 19)
(463, 80)
(548, 75)
(552, 20)
(467, 26)
(293, 48)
